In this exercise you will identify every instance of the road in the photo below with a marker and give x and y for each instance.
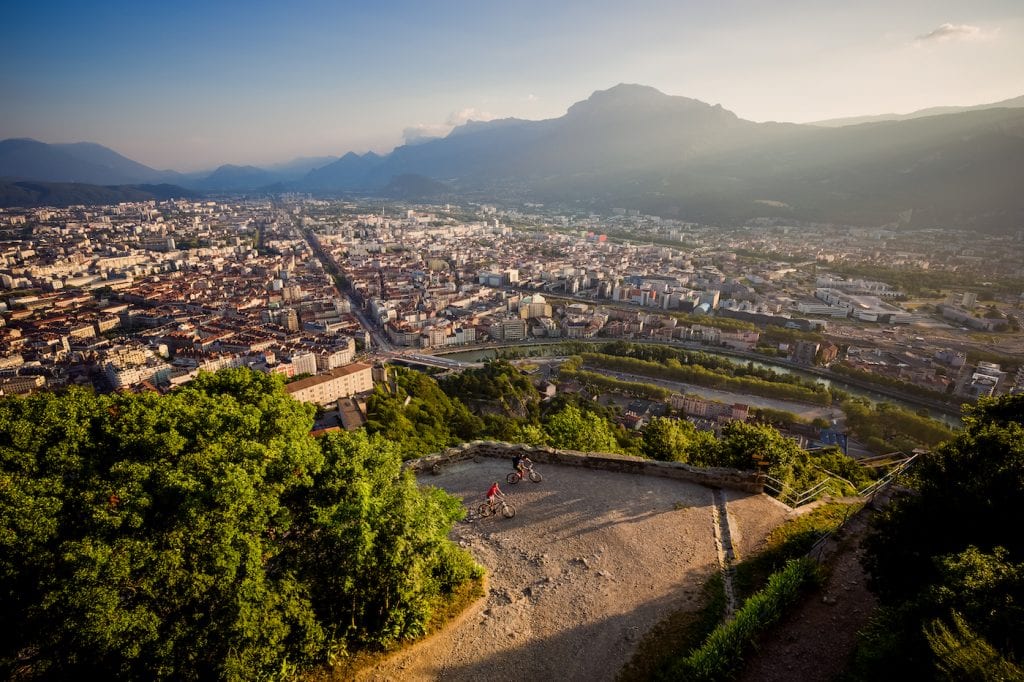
(331, 266)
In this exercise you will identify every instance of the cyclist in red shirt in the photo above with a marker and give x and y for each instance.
(493, 492)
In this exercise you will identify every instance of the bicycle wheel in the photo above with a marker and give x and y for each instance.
(535, 476)
(484, 510)
(507, 510)
(513, 478)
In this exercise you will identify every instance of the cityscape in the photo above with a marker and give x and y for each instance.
(485, 341)
(148, 294)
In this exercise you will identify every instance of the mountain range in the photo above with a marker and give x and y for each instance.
(632, 146)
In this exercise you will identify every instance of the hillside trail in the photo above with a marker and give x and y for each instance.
(815, 642)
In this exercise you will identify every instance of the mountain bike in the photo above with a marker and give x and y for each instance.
(502, 505)
(518, 475)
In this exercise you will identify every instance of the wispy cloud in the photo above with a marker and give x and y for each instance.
(948, 32)
(422, 132)
(457, 118)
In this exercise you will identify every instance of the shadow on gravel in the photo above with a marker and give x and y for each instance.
(584, 652)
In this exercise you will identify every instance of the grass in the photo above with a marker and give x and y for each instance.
(722, 654)
(663, 652)
(790, 540)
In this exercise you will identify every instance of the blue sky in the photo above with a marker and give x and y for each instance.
(191, 85)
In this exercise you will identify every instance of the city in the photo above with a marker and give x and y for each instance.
(148, 294)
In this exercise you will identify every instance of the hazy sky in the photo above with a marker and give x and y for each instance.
(189, 85)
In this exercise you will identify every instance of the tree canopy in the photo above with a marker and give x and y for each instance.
(947, 561)
(205, 534)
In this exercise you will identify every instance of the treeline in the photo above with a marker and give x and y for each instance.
(412, 410)
(736, 380)
(884, 427)
(206, 535)
(422, 416)
(752, 447)
(605, 383)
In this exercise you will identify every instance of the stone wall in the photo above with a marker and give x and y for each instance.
(714, 477)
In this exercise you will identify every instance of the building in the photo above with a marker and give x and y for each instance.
(805, 352)
(534, 306)
(513, 329)
(326, 389)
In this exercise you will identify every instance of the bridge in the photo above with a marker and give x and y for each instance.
(423, 360)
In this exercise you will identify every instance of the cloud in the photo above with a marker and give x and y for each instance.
(532, 97)
(457, 118)
(947, 32)
(421, 132)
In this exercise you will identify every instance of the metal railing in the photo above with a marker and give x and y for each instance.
(795, 499)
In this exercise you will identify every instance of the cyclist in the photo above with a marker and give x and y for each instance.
(520, 463)
(492, 492)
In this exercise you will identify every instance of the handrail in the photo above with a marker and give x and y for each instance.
(795, 499)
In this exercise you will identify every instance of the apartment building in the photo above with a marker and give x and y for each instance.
(340, 382)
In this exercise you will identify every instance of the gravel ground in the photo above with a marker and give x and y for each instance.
(591, 561)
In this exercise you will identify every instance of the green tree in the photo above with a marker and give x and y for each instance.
(741, 441)
(171, 537)
(673, 440)
(572, 429)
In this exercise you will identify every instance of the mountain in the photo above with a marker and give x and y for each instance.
(230, 178)
(90, 163)
(411, 187)
(1014, 103)
(82, 162)
(299, 167)
(348, 172)
(632, 146)
(27, 194)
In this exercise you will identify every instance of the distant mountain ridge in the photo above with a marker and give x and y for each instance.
(89, 163)
(29, 193)
(84, 162)
(1013, 103)
(633, 146)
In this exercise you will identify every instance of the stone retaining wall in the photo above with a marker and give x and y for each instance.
(714, 477)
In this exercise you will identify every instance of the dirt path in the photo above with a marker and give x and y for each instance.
(590, 562)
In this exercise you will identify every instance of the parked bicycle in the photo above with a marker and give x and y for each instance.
(526, 471)
(500, 505)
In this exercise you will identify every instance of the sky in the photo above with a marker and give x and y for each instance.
(191, 85)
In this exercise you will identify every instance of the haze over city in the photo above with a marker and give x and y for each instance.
(189, 86)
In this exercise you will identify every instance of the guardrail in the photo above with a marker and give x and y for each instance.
(796, 499)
